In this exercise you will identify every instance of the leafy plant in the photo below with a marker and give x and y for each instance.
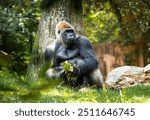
(68, 69)
(100, 24)
(18, 26)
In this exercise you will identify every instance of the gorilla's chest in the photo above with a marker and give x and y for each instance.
(63, 54)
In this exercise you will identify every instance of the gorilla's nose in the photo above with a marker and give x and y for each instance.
(71, 36)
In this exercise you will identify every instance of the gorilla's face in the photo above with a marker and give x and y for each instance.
(68, 37)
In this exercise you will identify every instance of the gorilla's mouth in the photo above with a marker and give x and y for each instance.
(70, 42)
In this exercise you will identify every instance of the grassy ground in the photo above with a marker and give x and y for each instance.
(13, 89)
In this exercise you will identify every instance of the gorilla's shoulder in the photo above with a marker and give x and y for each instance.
(83, 40)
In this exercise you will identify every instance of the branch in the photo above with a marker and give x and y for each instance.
(116, 10)
(146, 2)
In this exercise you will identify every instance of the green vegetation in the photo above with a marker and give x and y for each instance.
(14, 89)
(101, 24)
(104, 21)
(18, 27)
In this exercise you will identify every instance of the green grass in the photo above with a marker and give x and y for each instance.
(13, 89)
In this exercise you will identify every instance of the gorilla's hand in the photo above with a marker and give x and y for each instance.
(62, 74)
(76, 71)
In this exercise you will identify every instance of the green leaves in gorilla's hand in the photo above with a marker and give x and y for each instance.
(68, 69)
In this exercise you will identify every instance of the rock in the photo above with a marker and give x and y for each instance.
(147, 68)
(134, 70)
(132, 80)
(115, 75)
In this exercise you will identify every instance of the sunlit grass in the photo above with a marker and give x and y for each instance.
(13, 89)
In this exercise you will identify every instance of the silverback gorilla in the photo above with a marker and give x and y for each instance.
(78, 51)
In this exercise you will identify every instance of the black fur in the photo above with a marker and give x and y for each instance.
(81, 54)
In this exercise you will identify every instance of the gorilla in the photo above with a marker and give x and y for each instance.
(76, 50)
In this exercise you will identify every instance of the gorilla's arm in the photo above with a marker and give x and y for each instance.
(49, 52)
(87, 60)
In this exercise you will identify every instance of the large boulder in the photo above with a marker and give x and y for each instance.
(147, 68)
(128, 76)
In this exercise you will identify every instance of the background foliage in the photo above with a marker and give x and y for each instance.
(109, 20)
(18, 26)
(100, 23)
(104, 21)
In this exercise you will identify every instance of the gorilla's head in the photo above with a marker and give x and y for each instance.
(65, 33)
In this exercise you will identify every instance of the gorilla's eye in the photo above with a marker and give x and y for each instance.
(58, 31)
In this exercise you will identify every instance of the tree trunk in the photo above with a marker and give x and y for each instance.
(132, 34)
(68, 10)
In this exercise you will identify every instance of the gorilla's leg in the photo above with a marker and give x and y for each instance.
(85, 82)
(97, 78)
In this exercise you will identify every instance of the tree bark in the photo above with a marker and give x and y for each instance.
(68, 10)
